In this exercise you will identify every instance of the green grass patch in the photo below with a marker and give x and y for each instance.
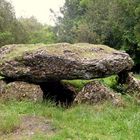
(137, 76)
(78, 84)
(98, 122)
(9, 121)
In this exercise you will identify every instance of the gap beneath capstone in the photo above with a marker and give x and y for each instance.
(8, 80)
(58, 92)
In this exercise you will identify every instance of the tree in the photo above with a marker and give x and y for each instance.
(66, 26)
(35, 32)
(7, 19)
(22, 30)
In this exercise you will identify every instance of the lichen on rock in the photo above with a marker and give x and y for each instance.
(39, 63)
(20, 91)
(95, 92)
(132, 86)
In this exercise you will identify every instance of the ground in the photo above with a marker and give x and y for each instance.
(80, 122)
(46, 121)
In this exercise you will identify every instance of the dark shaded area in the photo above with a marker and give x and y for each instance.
(136, 69)
(122, 77)
(58, 92)
(8, 80)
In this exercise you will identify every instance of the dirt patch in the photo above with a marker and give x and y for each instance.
(29, 127)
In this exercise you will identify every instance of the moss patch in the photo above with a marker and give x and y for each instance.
(82, 51)
(78, 84)
(19, 50)
(1, 77)
(110, 82)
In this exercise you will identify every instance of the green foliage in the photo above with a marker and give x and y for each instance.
(66, 26)
(45, 35)
(35, 32)
(6, 38)
(7, 19)
(110, 82)
(7, 16)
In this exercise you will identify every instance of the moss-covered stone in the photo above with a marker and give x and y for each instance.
(39, 62)
(10, 52)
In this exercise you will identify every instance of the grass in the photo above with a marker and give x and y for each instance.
(98, 122)
(137, 76)
(9, 122)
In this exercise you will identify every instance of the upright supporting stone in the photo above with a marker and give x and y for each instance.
(95, 92)
(20, 91)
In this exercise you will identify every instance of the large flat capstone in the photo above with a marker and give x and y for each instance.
(40, 62)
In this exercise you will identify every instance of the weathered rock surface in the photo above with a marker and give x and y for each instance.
(38, 63)
(132, 86)
(132, 83)
(2, 86)
(20, 91)
(95, 92)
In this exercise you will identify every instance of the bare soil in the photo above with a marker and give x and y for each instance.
(30, 126)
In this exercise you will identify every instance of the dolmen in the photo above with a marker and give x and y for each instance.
(38, 71)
